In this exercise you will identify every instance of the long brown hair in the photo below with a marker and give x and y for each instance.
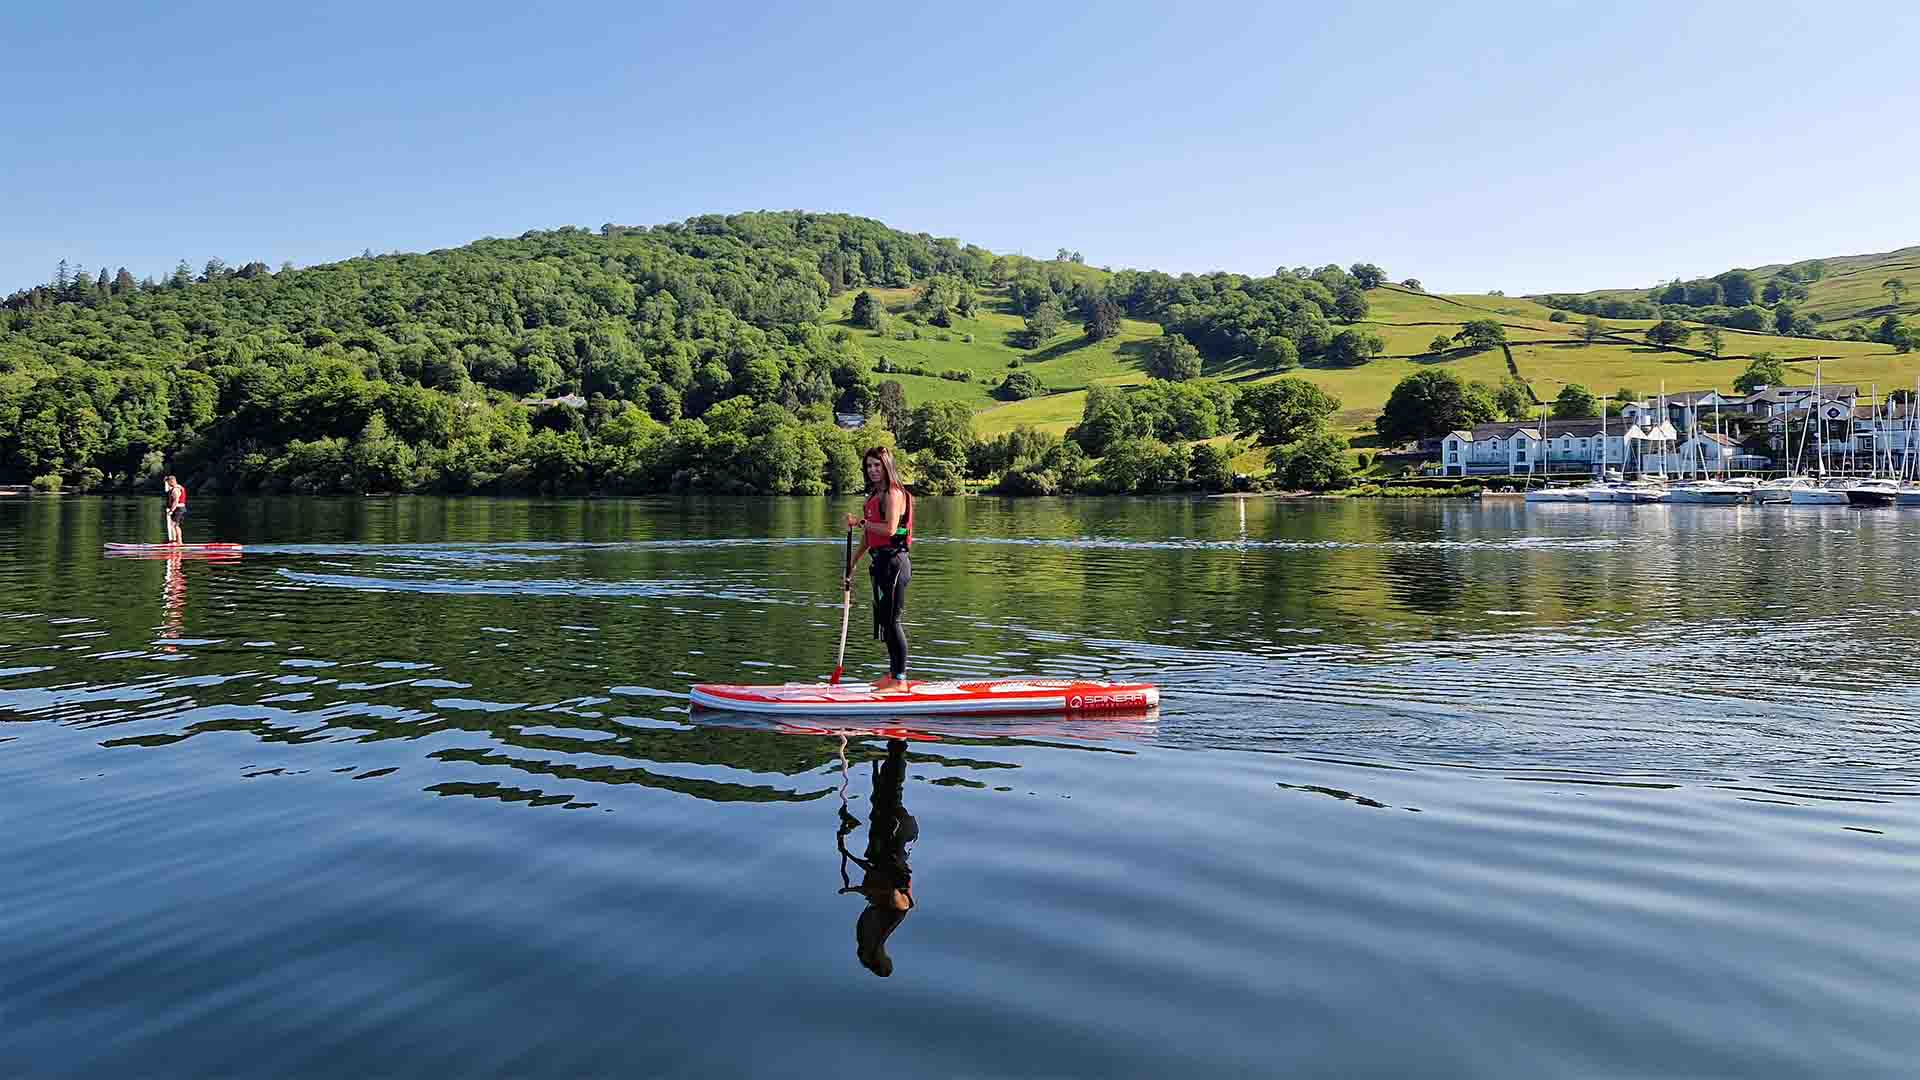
(889, 476)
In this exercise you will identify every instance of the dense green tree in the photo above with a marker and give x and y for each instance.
(1482, 334)
(1750, 317)
(944, 427)
(1277, 353)
(1669, 332)
(1784, 316)
(1514, 399)
(1317, 460)
(1019, 385)
(1350, 305)
(1279, 411)
(942, 297)
(1414, 285)
(1102, 320)
(1367, 275)
(1593, 330)
(1904, 338)
(1575, 402)
(1105, 419)
(1174, 358)
(868, 312)
(1762, 370)
(1043, 322)
(1625, 395)
(1737, 287)
(1432, 403)
(1143, 466)
(1353, 347)
(1440, 344)
(1180, 411)
(1211, 468)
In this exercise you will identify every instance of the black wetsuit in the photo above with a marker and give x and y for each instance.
(891, 570)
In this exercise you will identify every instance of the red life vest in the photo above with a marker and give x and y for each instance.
(876, 519)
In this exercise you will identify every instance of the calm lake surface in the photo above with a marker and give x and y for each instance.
(1437, 789)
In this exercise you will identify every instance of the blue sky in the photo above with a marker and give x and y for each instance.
(1523, 147)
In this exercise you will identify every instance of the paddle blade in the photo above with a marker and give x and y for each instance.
(836, 675)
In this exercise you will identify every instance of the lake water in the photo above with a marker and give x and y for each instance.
(1437, 788)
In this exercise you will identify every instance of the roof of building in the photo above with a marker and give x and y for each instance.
(1555, 428)
(1780, 394)
(1690, 397)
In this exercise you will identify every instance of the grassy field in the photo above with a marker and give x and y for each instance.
(1068, 362)
(1849, 294)
(1548, 356)
(1606, 367)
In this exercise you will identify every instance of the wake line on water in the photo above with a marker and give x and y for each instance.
(653, 590)
(508, 550)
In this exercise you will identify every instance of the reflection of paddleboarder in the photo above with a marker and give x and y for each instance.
(887, 881)
(176, 508)
(173, 601)
(886, 531)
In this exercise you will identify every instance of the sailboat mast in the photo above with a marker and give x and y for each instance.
(1820, 425)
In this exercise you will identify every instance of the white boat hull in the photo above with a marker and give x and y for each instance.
(1818, 497)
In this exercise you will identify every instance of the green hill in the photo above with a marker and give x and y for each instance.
(712, 354)
(1839, 295)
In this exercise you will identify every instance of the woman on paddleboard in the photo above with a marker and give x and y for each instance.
(886, 530)
(176, 508)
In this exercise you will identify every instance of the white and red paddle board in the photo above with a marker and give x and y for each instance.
(173, 549)
(1017, 695)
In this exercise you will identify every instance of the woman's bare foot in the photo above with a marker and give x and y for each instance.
(888, 682)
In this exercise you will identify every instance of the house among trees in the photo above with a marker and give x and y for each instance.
(571, 401)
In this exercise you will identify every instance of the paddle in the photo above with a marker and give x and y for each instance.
(846, 609)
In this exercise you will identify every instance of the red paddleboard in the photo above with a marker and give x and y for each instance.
(1016, 695)
(173, 549)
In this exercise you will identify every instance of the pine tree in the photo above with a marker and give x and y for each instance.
(62, 276)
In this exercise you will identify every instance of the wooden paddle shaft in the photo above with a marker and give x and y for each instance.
(846, 609)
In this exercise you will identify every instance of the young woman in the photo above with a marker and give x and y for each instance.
(176, 508)
(887, 532)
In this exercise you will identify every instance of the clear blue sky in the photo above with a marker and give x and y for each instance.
(1518, 146)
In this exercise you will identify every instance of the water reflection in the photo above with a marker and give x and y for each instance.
(173, 603)
(886, 880)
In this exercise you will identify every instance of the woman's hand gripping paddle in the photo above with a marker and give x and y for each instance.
(846, 609)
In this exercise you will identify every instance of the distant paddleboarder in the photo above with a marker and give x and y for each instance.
(176, 507)
(886, 530)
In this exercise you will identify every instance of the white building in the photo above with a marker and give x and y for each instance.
(1568, 446)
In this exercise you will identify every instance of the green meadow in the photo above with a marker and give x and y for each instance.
(1547, 355)
(1851, 292)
